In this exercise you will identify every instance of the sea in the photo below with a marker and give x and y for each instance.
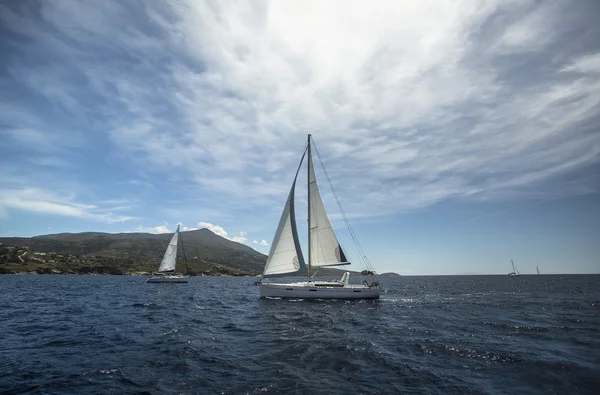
(69, 334)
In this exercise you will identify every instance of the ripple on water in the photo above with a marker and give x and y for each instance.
(438, 335)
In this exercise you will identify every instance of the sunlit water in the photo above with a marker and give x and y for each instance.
(437, 335)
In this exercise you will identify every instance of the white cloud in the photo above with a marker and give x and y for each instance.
(387, 92)
(409, 103)
(238, 239)
(263, 243)
(49, 203)
(585, 64)
(163, 228)
(531, 28)
(218, 230)
(154, 229)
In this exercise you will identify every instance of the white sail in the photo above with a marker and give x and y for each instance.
(285, 256)
(325, 250)
(170, 258)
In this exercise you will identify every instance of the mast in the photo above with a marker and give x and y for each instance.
(308, 168)
(187, 269)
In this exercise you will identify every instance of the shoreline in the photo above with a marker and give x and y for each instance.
(118, 274)
(23, 260)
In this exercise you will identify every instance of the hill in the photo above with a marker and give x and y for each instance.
(206, 252)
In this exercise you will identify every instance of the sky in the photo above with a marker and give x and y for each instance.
(458, 135)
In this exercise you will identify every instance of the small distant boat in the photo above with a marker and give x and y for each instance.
(286, 258)
(515, 271)
(537, 268)
(166, 270)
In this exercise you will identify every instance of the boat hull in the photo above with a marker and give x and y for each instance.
(169, 279)
(312, 291)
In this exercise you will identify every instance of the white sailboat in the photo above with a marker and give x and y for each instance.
(537, 268)
(166, 270)
(286, 258)
(515, 271)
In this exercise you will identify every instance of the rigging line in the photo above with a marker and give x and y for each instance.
(352, 233)
(363, 256)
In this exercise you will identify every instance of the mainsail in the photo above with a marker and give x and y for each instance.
(325, 250)
(285, 257)
(515, 270)
(170, 258)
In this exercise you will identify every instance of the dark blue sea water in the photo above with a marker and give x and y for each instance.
(427, 335)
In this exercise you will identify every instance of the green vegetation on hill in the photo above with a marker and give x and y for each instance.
(126, 253)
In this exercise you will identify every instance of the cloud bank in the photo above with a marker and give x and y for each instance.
(410, 104)
(49, 203)
(218, 230)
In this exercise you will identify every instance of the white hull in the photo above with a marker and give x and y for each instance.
(312, 291)
(177, 279)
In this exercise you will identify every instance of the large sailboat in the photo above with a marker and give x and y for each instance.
(515, 271)
(286, 258)
(166, 270)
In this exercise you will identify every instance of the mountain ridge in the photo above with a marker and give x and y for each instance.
(206, 251)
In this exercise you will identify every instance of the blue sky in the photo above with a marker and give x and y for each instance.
(458, 134)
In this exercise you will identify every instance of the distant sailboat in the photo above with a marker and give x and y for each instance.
(537, 268)
(286, 258)
(166, 270)
(515, 271)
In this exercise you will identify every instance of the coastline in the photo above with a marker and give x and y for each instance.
(22, 260)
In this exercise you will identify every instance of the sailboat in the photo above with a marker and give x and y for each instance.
(166, 270)
(537, 268)
(286, 258)
(515, 271)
